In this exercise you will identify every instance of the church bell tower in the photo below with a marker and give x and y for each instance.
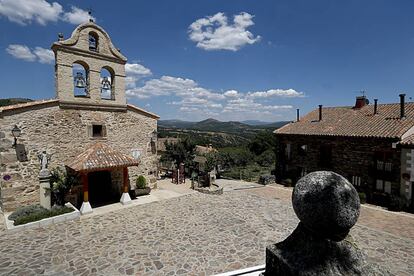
(89, 70)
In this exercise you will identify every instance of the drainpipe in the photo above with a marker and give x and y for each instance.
(402, 106)
(297, 115)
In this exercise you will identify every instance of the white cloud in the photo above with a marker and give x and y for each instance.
(44, 55)
(135, 72)
(199, 102)
(215, 33)
(167, 85)
(23, 52)
(25, 12)
(76, 16)
(231, 93)
(288, 93)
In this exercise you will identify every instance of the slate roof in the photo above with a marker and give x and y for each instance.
(347, 121)
(100, 157)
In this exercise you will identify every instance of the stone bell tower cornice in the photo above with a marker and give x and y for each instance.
(74, 39)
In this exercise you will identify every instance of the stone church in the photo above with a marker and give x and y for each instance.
(88, 127)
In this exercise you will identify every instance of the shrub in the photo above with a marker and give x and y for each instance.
(397, 203)
(141, 182)
(362, 198)
(61, 183)
(26, 210)
(36, 212)
(287, 182)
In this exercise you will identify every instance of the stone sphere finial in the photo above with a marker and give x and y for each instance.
(326, 204)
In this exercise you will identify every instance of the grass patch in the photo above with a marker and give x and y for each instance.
(32, 213)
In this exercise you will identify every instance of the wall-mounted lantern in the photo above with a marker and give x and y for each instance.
(153, 140)
(154, 136)
(16, 133)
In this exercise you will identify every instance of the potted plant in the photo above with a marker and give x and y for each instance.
(141, 186)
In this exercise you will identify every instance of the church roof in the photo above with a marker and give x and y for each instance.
(39, 103)
(100, 157)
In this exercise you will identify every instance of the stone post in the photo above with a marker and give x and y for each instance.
(327, 206)
(45, 192)
(125, 198)
(86, 207)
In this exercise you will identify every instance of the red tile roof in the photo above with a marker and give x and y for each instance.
(100, 157)
(346, 121)
(409, 140)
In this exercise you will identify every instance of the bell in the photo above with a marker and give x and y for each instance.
(106, 84)
(80, 80)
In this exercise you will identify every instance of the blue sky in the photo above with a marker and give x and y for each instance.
(230, 60)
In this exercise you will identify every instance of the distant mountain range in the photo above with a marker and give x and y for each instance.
(219, 126)
(11, 101)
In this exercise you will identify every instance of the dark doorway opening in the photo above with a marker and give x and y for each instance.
(101, 190)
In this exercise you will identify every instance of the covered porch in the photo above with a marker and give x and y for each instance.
(98, 166)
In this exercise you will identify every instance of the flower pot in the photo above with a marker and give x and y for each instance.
(143, 191)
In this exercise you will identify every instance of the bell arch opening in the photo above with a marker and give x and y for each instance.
(93, 41)
(107, 83)
(80, 73)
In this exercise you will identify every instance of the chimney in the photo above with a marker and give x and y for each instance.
(320, 112)
(361, 101)
(297, 115)
(402, 106)
(375, 106)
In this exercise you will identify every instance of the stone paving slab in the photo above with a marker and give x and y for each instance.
(195, 234)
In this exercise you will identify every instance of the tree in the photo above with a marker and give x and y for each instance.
(263, 141)
(180, 152)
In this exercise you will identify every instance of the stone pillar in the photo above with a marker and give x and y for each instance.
(125, 198)
(327, 206)
(45, 192)
(86, 207)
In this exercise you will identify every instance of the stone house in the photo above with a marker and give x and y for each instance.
(88, 127)
(371, 145)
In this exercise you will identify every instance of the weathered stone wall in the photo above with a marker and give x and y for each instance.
(350, 157)
(64, 133)
(407, 167)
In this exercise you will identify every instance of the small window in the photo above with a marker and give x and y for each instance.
(288, 151)
(93, 42)
(97, 131)
(379, 185)
(387, 187)
(356, 180)
(302, 149)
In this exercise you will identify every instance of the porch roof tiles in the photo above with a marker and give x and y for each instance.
(100, 157)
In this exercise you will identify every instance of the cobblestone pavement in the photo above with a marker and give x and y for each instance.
(395, 223)
(195, 234)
